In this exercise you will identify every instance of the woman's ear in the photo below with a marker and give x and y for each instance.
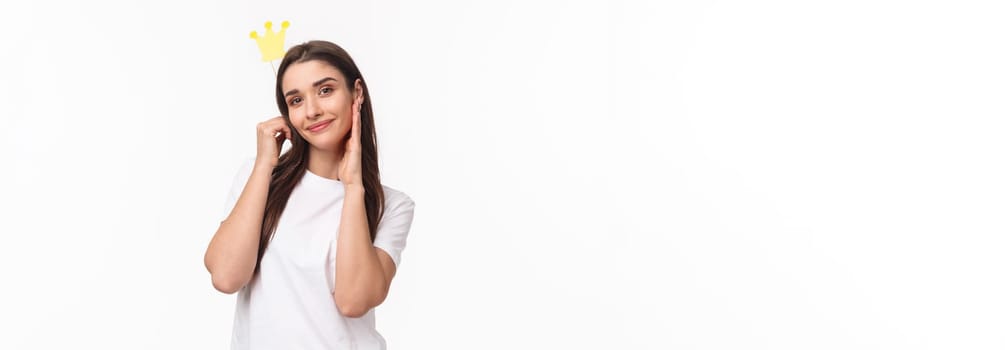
(358, 91)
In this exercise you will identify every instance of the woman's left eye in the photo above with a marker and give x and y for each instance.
(326, 90)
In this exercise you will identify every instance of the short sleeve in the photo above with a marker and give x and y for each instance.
(237, 186)
(392, 230)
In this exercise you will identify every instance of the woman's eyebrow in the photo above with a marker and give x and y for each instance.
(316, 83)
(319, 82)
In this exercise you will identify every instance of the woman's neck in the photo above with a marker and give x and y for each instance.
(324, 163)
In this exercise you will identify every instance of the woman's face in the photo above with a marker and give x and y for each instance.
(319, 103)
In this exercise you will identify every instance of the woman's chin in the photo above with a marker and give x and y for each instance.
(324, 144)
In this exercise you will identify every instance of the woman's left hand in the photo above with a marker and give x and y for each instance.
(350, 170)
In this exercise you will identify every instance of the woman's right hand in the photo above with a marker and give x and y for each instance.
(269, 143)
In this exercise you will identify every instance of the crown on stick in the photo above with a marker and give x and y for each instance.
(271, 44)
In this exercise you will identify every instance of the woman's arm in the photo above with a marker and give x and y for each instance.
(233, 251)
(363, 272)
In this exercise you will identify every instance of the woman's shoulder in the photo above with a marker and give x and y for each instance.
(394, 197)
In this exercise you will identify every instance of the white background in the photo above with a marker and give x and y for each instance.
(653, 175)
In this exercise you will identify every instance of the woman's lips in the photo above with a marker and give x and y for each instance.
(320, 127)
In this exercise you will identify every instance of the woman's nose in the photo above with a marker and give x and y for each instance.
(313, 108)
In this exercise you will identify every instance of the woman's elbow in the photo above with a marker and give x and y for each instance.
(226, 285)
(351, 308)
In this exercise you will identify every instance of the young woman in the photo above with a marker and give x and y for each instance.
(311, 239)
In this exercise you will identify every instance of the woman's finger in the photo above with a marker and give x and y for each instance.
(279, 126)
(355, 122)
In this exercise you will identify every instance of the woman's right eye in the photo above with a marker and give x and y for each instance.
(294, 101)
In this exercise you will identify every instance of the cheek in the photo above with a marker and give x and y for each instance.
(296, 121)
(340, 131)
(333, 106)
(344, 127)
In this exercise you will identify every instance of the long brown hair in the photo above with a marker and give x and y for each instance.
(293, 164)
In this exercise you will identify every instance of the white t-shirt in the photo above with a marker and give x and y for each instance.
(289, 304)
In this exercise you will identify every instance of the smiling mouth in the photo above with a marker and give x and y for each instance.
(319, 126)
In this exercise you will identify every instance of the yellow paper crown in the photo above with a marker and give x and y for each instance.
(272, 44)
